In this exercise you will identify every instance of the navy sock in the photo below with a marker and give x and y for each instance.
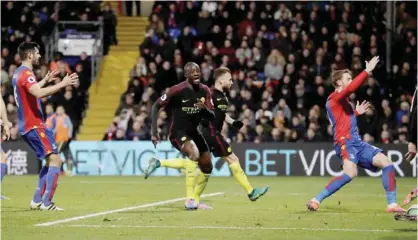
(39, 192)
(51, 184)
(3, 170)
(389, 183)
(333, 186)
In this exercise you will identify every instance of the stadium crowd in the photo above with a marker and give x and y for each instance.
(281, 55)
(35, 21)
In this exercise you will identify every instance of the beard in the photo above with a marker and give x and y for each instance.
(226, 89)
(35, 62)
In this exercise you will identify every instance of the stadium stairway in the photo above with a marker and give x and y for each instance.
(112, 82)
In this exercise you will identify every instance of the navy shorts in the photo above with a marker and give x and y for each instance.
(42, 141)
(358, 152)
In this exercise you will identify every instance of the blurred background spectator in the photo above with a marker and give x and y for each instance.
(35, 21)
(281, 56)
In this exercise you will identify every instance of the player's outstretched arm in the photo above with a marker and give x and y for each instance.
(237, 124)
(154, 118)
(207, 107)
(39, 92)
(161, 102)
(359, 79)
(228, 119)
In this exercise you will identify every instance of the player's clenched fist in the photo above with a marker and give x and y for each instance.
(70, 79)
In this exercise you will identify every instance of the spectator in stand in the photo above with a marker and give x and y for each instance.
(32, 21)
(281, 55)
(58, 62)
(129, 5)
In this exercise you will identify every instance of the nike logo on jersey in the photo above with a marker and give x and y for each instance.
(183, 101)
(218, 99)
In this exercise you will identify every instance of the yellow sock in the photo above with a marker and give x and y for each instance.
(201, 182)
(240, 176)
(177, 163)
(190, 177)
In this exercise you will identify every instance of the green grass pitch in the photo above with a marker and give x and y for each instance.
(356, 212)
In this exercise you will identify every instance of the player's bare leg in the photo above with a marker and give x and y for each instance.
(239, 175)
(3, 170)
(52, 175)
(190, 149)
(349, 172)
(205, 165)
(389, 181)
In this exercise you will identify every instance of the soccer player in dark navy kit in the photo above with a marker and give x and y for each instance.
(186, 104)
(349, 147)
(32, 127)
(212, 132)
(218, 146)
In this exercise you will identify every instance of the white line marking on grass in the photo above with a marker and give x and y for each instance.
(234, 228)
(129, 182)
(121, 210)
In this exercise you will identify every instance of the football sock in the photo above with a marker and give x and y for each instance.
(201, 182)
(190, 178)
(240, 176)
(39, 192)
(389, 183)
(334, 185)
(177, 163)
(3, 170)
(51, 184)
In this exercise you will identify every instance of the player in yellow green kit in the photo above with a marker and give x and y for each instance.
(216, 142)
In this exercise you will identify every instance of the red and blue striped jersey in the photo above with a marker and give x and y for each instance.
(29, 107)
(340, 112)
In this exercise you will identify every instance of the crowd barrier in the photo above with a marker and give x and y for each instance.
(129, 158)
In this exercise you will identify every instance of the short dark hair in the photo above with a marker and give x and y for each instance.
(220, 71)
(337, 75)
(188, 67)
(25, 48)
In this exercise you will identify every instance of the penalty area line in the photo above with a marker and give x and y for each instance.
(66, 220)
(232, 228)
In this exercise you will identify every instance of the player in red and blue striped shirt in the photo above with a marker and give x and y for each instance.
(32, 127)
(348, 145)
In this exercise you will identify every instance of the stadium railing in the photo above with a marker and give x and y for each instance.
(74, 37)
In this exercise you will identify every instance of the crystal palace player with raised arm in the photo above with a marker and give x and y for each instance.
(217, 144)
(32, 127)
(349, 147)
(187, 104)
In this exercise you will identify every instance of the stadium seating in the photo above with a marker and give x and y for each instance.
(35, 21)
(282, 54)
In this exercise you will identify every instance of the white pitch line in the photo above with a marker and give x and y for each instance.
(234, 228)
(121, 210)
